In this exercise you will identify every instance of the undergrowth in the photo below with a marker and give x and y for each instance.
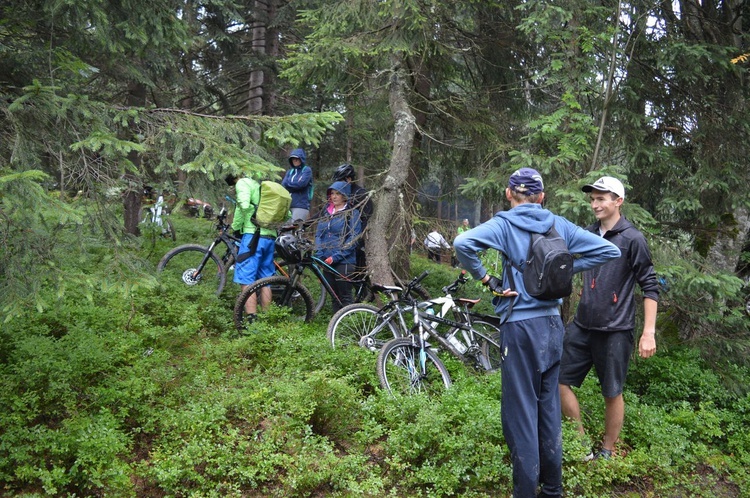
(158, 395)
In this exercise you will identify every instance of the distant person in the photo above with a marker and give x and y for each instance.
(298, 180)
(335, 240)
(255, 257)
(358, 200)
(601, 334)
(532, 336)
(464, 226)
(435, 243)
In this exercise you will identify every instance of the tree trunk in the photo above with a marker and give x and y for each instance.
(390, 213)
(257, 75)
(726, 251)
(131, 198)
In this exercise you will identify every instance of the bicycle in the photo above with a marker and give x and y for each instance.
(205, 268)
(409, 365)
(155, 216)
(290, 291)
(370, 327)
(473, 338)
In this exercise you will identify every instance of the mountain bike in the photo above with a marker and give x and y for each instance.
(205, 269)
(367, 326)
(409, 365)
(370, 327)
(292, 291)
(471, 337)
(155, 217)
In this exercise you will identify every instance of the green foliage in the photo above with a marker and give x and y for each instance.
(155, 394)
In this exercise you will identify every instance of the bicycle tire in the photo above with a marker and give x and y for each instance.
(311, 283)
(353, 324)
(491, 356)
(177, 262)
(300, 306)
(420, 292)
(170, 231)
(398, 369)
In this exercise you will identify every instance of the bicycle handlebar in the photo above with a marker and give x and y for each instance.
(461, 280)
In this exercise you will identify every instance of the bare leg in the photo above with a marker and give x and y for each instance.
(251, 305)
(570, 406)
(614, 415)
(265, 297)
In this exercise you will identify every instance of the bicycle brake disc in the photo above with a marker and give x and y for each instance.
(189, 276)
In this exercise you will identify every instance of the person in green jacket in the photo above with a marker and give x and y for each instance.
(253, 263)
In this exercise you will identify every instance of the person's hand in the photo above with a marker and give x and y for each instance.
(329, 260)
(237, 234)
(647, 345)
(496, 286)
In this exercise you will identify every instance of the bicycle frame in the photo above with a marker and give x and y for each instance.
(428, 319)
(318, 266)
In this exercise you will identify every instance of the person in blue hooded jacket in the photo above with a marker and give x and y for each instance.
(336, 240)
(532, 336)
(298, 180)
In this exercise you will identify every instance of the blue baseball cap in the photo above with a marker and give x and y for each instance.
(526, 181)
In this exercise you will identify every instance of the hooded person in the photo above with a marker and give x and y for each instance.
(360, 200)
(532, 336)
(339, 229)
(298, 180)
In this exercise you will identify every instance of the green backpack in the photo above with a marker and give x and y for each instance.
(273, 206)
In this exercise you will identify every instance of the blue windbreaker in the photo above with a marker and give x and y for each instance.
(299, 181)
(508, 232)
(337, 234)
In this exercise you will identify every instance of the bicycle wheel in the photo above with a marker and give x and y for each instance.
(296, 299)
(182, 264)
(400, 371)
(309, 280)
(491, 356)
(168, 230)
(360, 324)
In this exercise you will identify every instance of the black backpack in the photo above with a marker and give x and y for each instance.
(547, 270)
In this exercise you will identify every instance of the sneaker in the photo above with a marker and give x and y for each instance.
(603, 454)
(589, 457)
(250, 318)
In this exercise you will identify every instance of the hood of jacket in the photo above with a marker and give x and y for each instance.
(342, 187)
(529, 217)
(300, 153)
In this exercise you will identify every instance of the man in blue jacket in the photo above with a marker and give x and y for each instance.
(533, 334)
(601, 335)
(298, 180)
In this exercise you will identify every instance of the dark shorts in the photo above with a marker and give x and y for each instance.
(608, 352)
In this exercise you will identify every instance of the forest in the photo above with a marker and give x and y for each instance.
(117, 383)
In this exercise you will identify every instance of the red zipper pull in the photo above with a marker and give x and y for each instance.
(593, 283)
(614, 296)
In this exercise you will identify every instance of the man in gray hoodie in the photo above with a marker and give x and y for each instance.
(532, 335)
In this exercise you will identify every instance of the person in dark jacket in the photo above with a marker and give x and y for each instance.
(336, 240)
(601, 334)
(298, 180)
(532, 337)
(359, 200)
